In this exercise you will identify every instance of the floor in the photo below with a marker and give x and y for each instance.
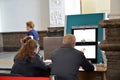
(6, 59)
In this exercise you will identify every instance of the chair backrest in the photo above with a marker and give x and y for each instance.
(49, 44)
(23, 78)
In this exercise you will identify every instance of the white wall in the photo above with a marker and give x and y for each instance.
(72, 7)
(15, 13)
(95, 6)
(88, 6)
(115, 9)
(103, 6)
(0, 15)
(44, 14)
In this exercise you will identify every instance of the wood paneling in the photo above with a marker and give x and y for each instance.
(11, 40)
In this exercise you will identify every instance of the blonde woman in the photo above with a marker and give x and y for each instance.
(31, 31)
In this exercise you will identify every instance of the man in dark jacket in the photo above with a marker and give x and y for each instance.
(66, 60)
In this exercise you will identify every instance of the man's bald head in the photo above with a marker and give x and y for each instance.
(69, 39)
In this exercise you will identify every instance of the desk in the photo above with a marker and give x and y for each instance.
(100, 71)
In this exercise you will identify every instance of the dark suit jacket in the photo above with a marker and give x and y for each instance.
(26, 67)
(66, 62)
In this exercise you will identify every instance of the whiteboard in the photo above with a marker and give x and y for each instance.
(15, 13)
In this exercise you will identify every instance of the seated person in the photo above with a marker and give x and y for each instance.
(24, 40)
(27, 62)
(66, 60)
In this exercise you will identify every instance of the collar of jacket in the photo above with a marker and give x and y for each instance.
(66, 46)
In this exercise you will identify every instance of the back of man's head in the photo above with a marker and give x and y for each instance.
(69, 39)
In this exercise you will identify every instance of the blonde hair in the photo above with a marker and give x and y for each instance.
(30, 24)
(69, 39)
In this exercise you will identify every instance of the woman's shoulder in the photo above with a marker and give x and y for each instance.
(36, 55)
(23, 61)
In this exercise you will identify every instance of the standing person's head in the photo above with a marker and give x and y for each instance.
(29, 25)
(69, 39)
(28, 50)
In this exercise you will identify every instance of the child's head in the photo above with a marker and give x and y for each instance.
(24, 40)
(28, 50)
(29, 25)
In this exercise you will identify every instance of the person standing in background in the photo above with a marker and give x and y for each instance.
(31, 31)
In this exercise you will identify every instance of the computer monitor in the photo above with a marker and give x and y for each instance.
(85, 34)
(86, 41)
(89, 51)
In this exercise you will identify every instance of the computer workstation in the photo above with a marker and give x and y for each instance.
(86, 41)
(88, 46)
